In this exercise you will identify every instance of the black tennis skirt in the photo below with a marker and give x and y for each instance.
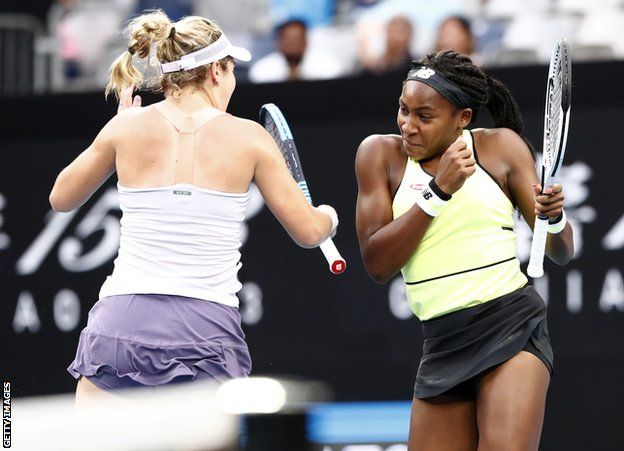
(461, 345)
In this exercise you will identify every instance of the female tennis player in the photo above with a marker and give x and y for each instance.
(168, 313)
(436, 202)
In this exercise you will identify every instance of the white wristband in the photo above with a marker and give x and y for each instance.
(429, 201)
(559, 225)
(329, 211)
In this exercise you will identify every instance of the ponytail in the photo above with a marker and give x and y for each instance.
(503, 107)
(123, 74)
(152, 27)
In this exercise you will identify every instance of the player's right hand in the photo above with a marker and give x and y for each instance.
(456, 165)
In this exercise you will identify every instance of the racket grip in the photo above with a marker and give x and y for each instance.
(337, 264)
(538, 246)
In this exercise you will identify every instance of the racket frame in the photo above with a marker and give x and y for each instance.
(337, 263)
(549, 169)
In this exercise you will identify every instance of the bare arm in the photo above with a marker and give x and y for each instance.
(386, 244)
(306, 225)
(78, 181)
(524, 187)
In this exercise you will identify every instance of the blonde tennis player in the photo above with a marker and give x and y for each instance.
(168, 312)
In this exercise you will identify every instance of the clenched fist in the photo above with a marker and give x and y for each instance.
(456, 165)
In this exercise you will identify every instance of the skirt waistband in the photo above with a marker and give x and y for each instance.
(522, 301)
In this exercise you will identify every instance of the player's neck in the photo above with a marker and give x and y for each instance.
(190, 101)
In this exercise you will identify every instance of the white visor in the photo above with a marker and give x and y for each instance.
(216, 51)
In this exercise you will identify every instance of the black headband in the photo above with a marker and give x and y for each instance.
(446, 88)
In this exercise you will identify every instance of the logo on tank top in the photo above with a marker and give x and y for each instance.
(417, 186)
(181, 193)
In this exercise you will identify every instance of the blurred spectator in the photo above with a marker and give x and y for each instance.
(251, 30)
(318, 12)
(397, 55)
(425, 15)
(455, 33)
(239, 19)
(82, 29)
(175, 9)
(68, 42)
(293, 60)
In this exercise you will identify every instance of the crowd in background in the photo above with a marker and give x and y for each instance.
(299, 39)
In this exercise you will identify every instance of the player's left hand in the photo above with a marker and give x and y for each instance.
(126, 101)
(551, 202)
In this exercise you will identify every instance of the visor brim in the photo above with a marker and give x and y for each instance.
(240, 53)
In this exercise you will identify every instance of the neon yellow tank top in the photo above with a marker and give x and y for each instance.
(468, 254)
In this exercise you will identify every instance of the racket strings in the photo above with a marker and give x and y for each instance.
(554, 120)
(285, 145)
(557, 105)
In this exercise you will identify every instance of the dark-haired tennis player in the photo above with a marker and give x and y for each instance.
(436, 202)
(168, 313)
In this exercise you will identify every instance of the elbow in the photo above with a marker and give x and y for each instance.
(54, 202)
(55, 198)
(380, 278)
(315, 233)
(58, 204)
(563, 259)
(377, 273)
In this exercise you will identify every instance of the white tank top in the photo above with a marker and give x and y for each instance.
(179, 240)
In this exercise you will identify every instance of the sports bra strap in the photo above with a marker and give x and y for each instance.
(187, 127)
(187, 123)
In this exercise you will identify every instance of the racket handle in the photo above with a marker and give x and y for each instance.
(538, 246)
(337, 264)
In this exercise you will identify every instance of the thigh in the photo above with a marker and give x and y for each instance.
(510, 404)
(443, 423)
(87, 392)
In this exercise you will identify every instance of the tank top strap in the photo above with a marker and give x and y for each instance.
(187, 127)
(467, 135)
(185, 123)
(204, 116)
(414, 172)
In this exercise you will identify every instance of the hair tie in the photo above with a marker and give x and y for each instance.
(131, 50)
(172, 33)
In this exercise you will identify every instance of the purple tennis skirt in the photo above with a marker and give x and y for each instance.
(151, 339)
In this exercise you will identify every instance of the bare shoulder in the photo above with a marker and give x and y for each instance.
(378, 149)
(136, 119)
(230, 120)
(502, 146)
(241, 130)
(504, 141)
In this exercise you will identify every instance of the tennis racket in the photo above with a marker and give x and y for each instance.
(274, 122)
(556, 121)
